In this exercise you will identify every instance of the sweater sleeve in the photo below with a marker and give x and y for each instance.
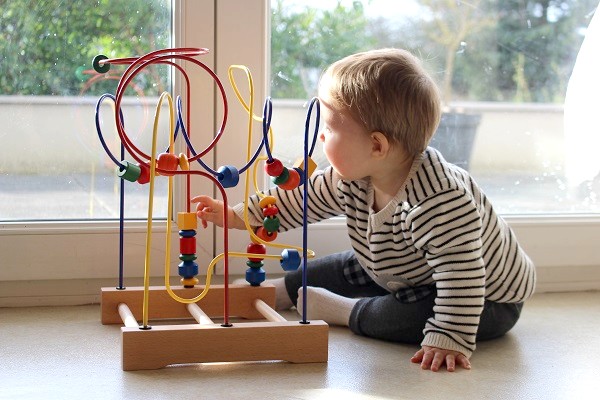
(447, 228)
(323, 202)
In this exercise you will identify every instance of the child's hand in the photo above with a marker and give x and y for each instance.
(433, 358)
(211, 210)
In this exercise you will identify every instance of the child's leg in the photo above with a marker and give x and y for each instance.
(388, 318)
(339, 273)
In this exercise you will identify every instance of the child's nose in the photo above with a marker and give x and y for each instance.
(321, 136)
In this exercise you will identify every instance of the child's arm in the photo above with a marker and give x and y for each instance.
(211, 210)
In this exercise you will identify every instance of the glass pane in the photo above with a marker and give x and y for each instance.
(52, 164)
(503, 67)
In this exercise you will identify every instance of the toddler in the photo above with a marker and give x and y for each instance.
(431, 262)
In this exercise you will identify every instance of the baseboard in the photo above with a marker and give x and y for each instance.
(70, 292)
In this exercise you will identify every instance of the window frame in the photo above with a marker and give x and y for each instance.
(564, 247)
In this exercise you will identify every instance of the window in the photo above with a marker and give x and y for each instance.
(70, 259)
(52, 165)
(510, 70)
(503, 67)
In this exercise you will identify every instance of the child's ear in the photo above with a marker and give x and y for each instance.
(380, 145)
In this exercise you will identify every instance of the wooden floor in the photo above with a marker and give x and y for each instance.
(66, 353)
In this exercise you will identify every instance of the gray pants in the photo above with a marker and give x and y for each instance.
(397, 317)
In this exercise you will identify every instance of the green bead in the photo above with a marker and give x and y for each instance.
(187, 257)
(102, 69)
(129, 171)
(254, 264)
(271, 224)
(283, 178)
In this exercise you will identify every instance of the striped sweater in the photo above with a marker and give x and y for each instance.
(439, 229)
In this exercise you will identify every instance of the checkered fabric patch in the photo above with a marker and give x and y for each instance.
(414, 294)
(355, 274)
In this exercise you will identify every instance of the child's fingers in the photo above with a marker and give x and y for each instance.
(463, 361)
(418, 357)
(450, 362)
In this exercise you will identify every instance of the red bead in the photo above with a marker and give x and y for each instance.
(145, 174)
(270, 211)
(266, 236)
(167, 162)
(256, 248)
(292, 182)
(187, 245)
(274, 168)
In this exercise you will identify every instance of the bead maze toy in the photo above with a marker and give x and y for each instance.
(262, 334)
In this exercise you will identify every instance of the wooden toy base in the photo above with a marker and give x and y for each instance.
(272, 338)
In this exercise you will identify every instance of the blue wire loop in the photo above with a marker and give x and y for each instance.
(99, 130)
(307, 153)
(181, 125)
(266, 123)
(314, 101)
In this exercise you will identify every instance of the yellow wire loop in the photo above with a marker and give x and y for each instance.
(251, 116)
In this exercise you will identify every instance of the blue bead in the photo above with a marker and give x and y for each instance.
(255, 276)
(301, 173)
(187, 233)
(188, 269)
(290, 259)
(228, 176)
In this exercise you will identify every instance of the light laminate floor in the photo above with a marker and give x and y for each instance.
(65, 353)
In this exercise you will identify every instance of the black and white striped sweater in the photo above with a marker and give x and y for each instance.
(439, 229)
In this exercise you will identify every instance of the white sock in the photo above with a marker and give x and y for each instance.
(327, 306)
(282, 299)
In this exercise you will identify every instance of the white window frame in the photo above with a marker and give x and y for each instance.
(46, 263)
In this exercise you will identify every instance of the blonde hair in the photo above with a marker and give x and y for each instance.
(389, 91)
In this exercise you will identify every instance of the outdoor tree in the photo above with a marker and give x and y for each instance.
(305, 41)
(451, 24)
(45, 44)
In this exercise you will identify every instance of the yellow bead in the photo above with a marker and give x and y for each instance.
(267, 201)
(187, 221)
(184, 164)
(189, 282)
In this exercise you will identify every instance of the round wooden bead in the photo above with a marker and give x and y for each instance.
(292, 182)
(274, 167)
(256, 248)
(255, 276)
(266, 236)
(189, 283)
(253, 264)
(282, 178)
(187, 233)
(290, 259)
(144, 175)
(228, 176)
(102, 69)
(187, 257)
(300, 172)
(267, 201)
(271, 224)
(167, 162)
(130, 172)
(184, 163)
(270, 211)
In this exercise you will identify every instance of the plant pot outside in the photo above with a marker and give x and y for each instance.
(455, 137)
